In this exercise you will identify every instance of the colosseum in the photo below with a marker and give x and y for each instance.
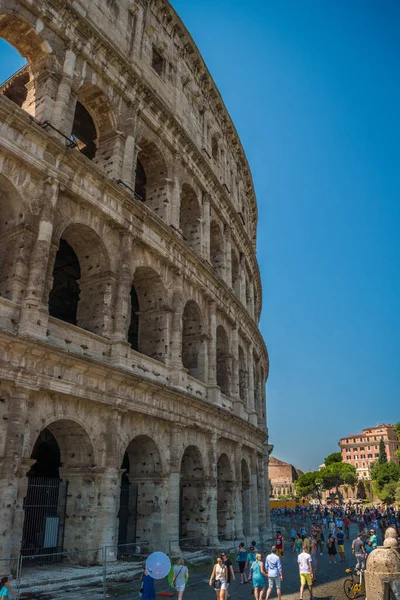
(133, 371)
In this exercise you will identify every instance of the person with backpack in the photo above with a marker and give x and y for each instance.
(180, 577)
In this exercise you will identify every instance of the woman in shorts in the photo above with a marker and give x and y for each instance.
(258, 577)
(180, 577)
(218, 578)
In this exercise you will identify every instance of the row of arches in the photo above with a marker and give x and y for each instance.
(92, 124)
(63, 453)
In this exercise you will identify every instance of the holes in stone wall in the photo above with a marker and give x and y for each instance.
(246, 497)
(217, 248)
(235, 273)
(157, 61)
(193, 341)
(243, 376)
(140, 181)
(189, 219)
(150, 179)
(225, 498)
(193, 514)
(133, 331)
(64, 296)
(224, 361)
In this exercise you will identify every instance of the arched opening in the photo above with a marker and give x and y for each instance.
(246, 497)
(193, 500)
(243, 377)
(224, 361)
(94, 127)
(141, 493)
(151, 178)
(133, 330)
(225, 496)
(20, 78)
(150, 319)
(53, 518)
(235, 273)
(193, 341)
(217, 248)
(15, 242)
(64, 296)
(80, 280)
(190, 218)
(140, 181)
(214, 147)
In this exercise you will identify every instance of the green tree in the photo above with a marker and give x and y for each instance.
(388, 493)
(337, 474)
(309, 484)
(382, 458)
(335, 457)
(385, 473)
(397, 428)
(398, 493)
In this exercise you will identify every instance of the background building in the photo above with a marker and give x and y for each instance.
(362, 449)
(282, 476)
(132, 369)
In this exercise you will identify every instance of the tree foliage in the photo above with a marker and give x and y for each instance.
(388, 493)
(335, 457)
(309, 484)
(397, 428)
(382, 458)
(385, 473)
(337, 474)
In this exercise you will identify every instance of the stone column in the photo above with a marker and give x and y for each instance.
(34, 315)
(238, 403)
(254, 499)
(206, 227)
(228, 256)
(175, 182)
(242, 270)
(62, 113)
(175, 350)
(262, 491)
(212, 343)
(251, 307)
(250, 393)
(211, 484)
(171, 507)
(13, 470)
(125, 279)
(42, 89)
(239, 534)
(267, 450)
(108, 488)
(131, 150)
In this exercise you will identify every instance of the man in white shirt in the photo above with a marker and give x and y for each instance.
(306, 572)
(273, 568)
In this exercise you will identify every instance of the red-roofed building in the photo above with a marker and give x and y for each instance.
(362, 449)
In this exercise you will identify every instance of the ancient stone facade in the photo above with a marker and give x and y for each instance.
(282, 477)
(131, 365)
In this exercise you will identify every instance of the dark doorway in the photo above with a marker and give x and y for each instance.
(84, 131)
(64, 297)
(140, 181)
(133, 331)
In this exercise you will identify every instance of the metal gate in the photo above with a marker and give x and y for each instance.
(45, 507)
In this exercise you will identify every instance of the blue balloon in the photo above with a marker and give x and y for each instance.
(158, 565)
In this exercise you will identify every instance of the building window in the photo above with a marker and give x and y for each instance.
(157, 62)
(214, 147)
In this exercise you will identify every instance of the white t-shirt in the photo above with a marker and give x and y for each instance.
(304, 561)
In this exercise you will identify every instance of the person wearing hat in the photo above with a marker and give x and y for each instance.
(273, 569)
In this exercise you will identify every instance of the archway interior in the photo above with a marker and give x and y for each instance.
(64, 296)
(193, 341)
(223, 361)
(140, 181)
(84, 131)
(235, 273)
(216, 248)
(193, 513)
(133, 330)
(225, 498)
(141, 493)
(246, 497)
(243, 377)
(189, 218)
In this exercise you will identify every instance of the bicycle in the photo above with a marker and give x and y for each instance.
(353, 586)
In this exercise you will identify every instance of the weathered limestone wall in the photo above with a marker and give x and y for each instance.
(129, 287)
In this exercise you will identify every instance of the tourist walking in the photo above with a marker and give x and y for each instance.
(5, 584)
(147, 587)
(340, 541)
(241, 561)
(230, 573)
(258, 577)
(180, 577)
(273, 570)
(251, 557)
(306, 572)
(358, 550)
(218, 578)
(331, 545)
(279, 544)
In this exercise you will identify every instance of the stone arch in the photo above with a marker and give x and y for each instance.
(150, 319)
(61, 455)
(15, 241)
(243, 376)
(193, 497)
(217, 256)
(235, 272)
(224, 361)
(81, 280)
(94, 127)
(190, 218)
(141, 492)
(225, 498)
(23, 87)
(246, 496)
(151, 177)
(193, 341)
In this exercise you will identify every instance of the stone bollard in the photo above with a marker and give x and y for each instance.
(383, 565)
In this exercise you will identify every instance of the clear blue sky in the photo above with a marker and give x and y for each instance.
(313, 88)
